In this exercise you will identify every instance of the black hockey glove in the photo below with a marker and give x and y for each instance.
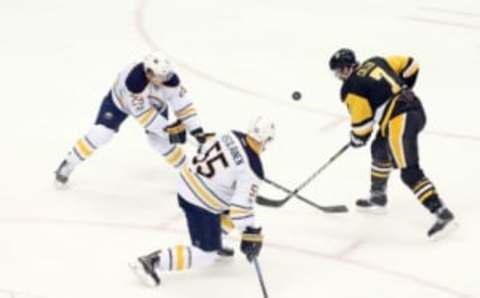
(176, 132)
(251, 242)
(356, 141)
(201, 136)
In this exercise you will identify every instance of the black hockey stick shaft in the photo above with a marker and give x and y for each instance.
(260, 277)
(305, 183)
(278, 203)
(317, 172)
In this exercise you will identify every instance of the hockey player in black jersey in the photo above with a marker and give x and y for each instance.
(379, 92)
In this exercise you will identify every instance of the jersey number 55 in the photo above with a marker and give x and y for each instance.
(205, 162)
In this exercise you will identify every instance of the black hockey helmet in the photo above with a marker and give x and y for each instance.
(341, 58)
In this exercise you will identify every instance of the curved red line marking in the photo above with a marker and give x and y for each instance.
(340, 118)
(443, 23)
(449, 11)
(166, 228)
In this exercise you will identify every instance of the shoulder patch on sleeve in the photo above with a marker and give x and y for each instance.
(253, 158)
(136, 80)
(173, 82)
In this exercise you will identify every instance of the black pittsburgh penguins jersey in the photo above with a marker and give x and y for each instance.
(371, 92)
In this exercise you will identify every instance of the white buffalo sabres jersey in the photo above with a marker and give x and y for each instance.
(224, 175)
(134, 95)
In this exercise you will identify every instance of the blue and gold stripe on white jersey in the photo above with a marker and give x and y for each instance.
(147, 117)
(175, 156)
(186, 112)
(202, 192)
(238, 212)
(83, 148)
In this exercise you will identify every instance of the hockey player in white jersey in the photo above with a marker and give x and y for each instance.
(144, 90)
(224, 176)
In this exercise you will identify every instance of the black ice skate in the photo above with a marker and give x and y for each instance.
(145, 268)
(226, 252)
(62, 173)
(443, 225)
(376, 204)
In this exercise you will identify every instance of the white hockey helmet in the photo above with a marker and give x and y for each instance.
(262, 130)
(159, 64)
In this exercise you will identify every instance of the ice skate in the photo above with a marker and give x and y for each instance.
(226, 252)
(62, 173)
(443, 225)
(376, 204)
(146, 268)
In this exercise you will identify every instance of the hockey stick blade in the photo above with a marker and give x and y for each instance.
(261, 200)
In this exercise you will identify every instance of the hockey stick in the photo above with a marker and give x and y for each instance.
(261, 200)
(278, 203)
(260, 278)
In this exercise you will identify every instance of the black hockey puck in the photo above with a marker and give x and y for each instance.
(296, 95)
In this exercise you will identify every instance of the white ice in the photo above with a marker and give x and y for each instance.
(238, 58)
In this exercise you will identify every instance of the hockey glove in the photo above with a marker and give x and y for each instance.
(356, 141)
(251, 242)
(176, 132)
(201, 136)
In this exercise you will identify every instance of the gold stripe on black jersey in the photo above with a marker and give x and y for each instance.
(403, 65)
(361, 114)
(398, 63)
(359, 108)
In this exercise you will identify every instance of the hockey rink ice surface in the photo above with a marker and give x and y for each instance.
(237, 59)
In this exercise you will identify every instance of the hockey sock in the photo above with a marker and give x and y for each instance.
(181, 258)
(380, 172)
(422, 187)
(427, 195)
(97, 136)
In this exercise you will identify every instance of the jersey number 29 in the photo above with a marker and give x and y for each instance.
(205, 162)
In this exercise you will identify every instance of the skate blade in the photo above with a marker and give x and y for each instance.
(144, 277)
(373, 210)
(60, 185)
(449, 228)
